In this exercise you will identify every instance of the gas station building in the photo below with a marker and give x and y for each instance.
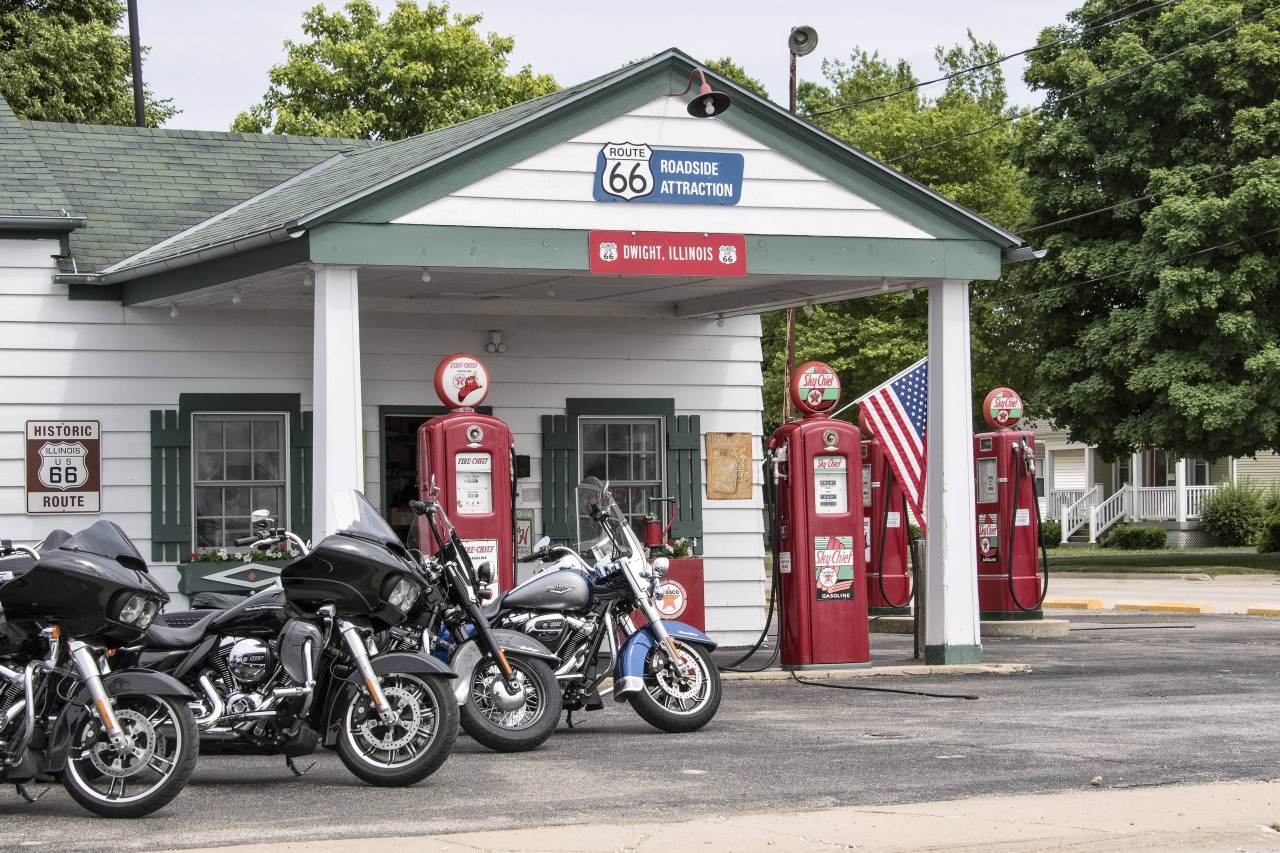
(220, 321)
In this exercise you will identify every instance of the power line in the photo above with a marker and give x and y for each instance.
(1148, 196)
(1091, 87)
(994, 62)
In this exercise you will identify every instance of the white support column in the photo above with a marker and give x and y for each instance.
(1090, 471)
(1180, 492)
(952, 631)
(337, 456)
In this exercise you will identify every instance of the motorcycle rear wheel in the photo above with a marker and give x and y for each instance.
(523, 728)
(165, 748)
(684, 702)
(410, 749)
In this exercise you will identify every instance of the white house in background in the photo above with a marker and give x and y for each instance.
(1089, 495)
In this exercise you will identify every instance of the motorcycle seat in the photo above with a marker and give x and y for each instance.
(491, 608)
(216, 600)
(164, 637)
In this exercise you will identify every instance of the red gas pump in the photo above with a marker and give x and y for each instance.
(470, 457)
(1009, 586)
(885, 527)
(816, 465)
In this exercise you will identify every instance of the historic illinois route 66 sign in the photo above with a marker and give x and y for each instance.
(626, 172)
(63, 467)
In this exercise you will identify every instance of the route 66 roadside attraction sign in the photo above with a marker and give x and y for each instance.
(64, 467)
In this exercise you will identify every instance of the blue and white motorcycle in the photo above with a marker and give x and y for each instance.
(579, 611)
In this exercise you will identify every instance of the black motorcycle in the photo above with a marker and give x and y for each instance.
(579, 611)
(294, 667)
(123, 742)
(506, 690)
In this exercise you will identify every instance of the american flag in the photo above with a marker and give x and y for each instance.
(898, 412)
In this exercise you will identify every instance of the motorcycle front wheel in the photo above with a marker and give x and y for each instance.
(680, 701)
(410, 747)
(506, 723)
(162, 752)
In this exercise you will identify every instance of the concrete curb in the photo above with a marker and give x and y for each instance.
(1263, 611)
(1167, 606)
(1073, 604)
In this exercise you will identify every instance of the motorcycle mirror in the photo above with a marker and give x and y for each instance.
(543, 544)
(660, 565)
(484, 572)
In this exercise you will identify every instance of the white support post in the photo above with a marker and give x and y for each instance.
(952, 630)
(1180, 492)
(1090, 471)
(336, 459)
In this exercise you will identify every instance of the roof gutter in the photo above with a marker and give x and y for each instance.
(60, 224)
(283, 234)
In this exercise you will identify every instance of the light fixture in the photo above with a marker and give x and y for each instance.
(708, 102)
(495, 342)
(884, 284)
(911, 292)
(426, 274)
(808, 310)
(173, 310)
(308, 278)
(551, 289)
(719, 319)
(802, 40)
(235, 298)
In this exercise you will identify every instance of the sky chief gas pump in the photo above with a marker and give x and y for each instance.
(1009, 546)
(816, 465)
(886, 530)
(470, 456)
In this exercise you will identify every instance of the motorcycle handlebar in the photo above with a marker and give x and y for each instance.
(531, 558)
(246, 540)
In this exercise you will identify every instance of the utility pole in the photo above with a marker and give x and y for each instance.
(135, 51)
(801, 41)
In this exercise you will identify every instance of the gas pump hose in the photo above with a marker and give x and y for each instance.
(771, 503)
(1044, 554)
(880, 557)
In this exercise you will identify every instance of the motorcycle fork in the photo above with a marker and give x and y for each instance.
(355, 645)
(84, 660)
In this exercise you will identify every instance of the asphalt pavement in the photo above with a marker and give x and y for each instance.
(1136, 731)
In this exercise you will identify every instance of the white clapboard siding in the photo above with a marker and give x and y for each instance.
(554, 189)
(1263, 469)
(85, 360)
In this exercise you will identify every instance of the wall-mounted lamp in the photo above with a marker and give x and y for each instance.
(719, 319)
(911, 292)
(708, 102)
(884, 284)
(495, 342)
(308, 278)
(808, 310)
(173, 310)
(426, 274)
(551, 289)
(236, 298)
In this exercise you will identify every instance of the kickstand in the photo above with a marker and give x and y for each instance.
(568, 719)
(294, 767)
(26, 795)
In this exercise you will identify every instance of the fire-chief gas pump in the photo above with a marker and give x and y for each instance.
(886, 529)
(813, 480)
(1009, 586)
(470, 459)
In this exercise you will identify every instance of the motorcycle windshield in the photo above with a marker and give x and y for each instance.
(357, 517)
(105, 539)
(595, 500)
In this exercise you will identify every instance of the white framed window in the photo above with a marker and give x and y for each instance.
(1197, 472)
(627, 453)
(241, 465)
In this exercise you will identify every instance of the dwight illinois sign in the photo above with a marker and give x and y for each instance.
(64, 467)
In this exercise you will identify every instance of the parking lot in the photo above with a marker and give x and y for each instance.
(1126, 700)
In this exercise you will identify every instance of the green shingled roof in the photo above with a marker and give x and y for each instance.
(138, 186)
(346, 177)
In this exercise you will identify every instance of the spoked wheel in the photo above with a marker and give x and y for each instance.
(680, 701)
(507, 722)
(410, 747)
(145, 775)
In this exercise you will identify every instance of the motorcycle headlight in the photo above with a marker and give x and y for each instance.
(403, 595)
(138, 610)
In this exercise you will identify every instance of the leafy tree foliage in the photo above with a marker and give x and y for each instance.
(62, 60)
(1159, 318)
(869, 340)
(360, 76)
(731, 70)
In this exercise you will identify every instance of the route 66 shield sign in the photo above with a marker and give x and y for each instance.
(626, 172)
(63, 466)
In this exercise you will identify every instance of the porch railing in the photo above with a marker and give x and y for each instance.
(1155, 503)
(1076, 515)
(1060, 499)
(1195, 499)
(1107, 513)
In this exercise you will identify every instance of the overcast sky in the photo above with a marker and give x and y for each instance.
(211, 57)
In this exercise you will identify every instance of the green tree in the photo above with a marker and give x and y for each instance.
(62, 60)
(731, 70)
(1158, 309)
(360, 76)
(869, 340)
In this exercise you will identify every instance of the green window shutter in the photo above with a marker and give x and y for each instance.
(684, 475)
(300, 443)
(559, 476)
(170, 486)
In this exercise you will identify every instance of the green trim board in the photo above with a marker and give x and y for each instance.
(473, 247)
(560, 462)
(171, 468)
(944, 654)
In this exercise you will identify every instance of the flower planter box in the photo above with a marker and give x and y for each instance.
(228, 576)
